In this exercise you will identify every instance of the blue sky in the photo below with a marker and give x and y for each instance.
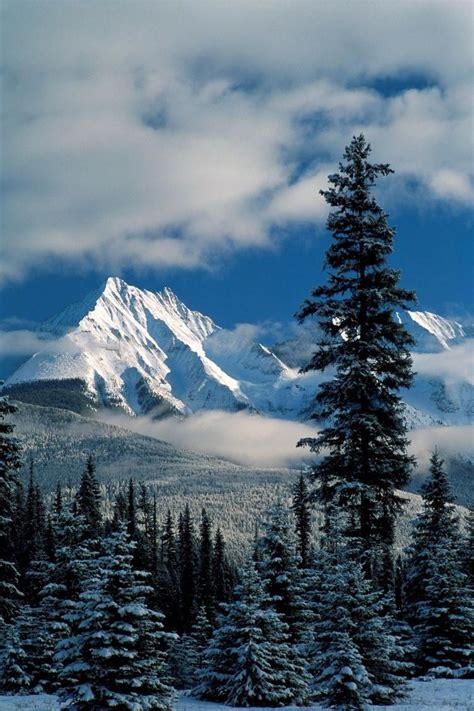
(184, 144)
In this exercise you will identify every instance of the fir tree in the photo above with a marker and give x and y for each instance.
(221, 572)
(279, 568)
(168, 578)
(58, 499)
(363, 341)
(14, 678)
(205, 579)
(88, 498)
(437, 592)
(347, 607)
(302, 511)
(248, 661)
(342, 682)
(114, 657)
(9, 466)
(132, 511)
(187, 569)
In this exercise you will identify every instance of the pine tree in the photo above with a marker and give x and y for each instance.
(468, 549)
(9, 465)
(205, 579)
(88, 498)
(343, 681)
(168, 578)
(279, 568)
(437, 591)
(348, 607)
(114, 657)
(364, 429)
(14, 679)
(248, 661)
(223, 579)
(186, 654)
(302, 511)
(188, 562)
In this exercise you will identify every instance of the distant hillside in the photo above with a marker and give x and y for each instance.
(60, 441)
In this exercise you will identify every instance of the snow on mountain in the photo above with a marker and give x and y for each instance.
(432, 331)
(148, 353)
(136, 350)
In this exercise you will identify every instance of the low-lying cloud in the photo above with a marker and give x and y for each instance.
(241, 437)
(22, 342)
(449, 440)
(450, 365)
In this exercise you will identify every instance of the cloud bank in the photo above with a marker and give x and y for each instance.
(173, 134)
(243, 438)
(452, 366)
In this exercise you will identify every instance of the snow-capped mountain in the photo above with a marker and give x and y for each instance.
(148, 353)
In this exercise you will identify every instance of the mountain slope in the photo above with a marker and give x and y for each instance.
(148, 353)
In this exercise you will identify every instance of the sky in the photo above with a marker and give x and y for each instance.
(184, 144)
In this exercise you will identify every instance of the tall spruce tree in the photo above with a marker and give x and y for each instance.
(169, 589)
(205, 579)
(302, 511)
(222, 574)
(88, 498)
(188, 567)
(366, 346)
(10, 463)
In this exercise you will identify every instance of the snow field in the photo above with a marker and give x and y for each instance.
(433, 695)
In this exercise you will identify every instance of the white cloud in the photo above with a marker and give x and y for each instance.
(454, 365)
(244, 438)
(451, 441)
(170, 134)
(22, 342)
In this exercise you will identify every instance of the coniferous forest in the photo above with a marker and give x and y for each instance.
(116, 607)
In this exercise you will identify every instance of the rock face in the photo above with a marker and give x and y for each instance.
(148, 353)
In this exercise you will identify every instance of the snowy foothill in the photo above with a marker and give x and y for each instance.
(432, 695)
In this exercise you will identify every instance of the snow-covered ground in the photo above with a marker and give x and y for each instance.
(437, 695)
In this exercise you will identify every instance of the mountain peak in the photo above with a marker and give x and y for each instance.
(113, 282)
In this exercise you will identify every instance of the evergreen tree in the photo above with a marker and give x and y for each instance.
(168, 578)
(186, 654)
(9, 466)
(132, 511)
(437, 591)
(205, 579)
(248, 661)
(14, 679)
(88, 498)
(348, 608)
(222, 576)
(114, 657)
(342, 682)
(279, 568)
(302, 511)
(468, 548)
(188, 563)
(58, 499)
(365, 431)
